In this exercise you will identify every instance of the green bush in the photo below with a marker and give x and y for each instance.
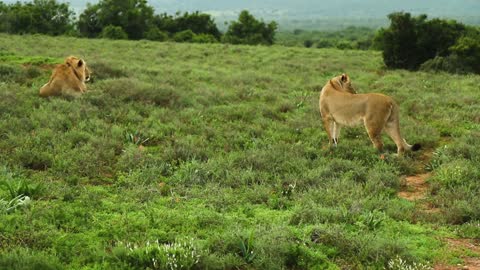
(184, 36)
(204, 38)
(308, 43)
(468, 50)
(156, 34)
(344, 45)
(451, 63)
(113, 32)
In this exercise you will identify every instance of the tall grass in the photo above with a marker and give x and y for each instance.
(223, 144)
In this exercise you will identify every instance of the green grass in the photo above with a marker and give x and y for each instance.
(218, 150)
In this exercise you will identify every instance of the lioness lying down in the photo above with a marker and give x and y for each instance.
(341, 106)
(67, 78)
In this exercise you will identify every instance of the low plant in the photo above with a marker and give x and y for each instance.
(18, 202)
(400, 264)
(182, 254)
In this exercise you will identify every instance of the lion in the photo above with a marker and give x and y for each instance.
(340, 106)
(67, 77)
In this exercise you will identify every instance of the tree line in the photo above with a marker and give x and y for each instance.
(409, 42)
(415, 43)
(129, 19)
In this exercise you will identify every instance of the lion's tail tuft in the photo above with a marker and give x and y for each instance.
(416, 147)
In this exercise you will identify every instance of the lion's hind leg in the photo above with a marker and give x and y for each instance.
(374, 130)
(393, 131)
(336, 132)
(328, 124)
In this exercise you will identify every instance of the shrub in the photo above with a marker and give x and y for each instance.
(156, 34)
(113, 32)
(468, 50)
(304, 257)
(451, 63)
(184, 36)
(204, 38)
(197, 22)
(325, 44)
(308, 43)
(344, 45)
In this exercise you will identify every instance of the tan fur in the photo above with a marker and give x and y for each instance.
(67, 78)
(341, 106)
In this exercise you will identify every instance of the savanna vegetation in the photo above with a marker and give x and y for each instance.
(195, 156)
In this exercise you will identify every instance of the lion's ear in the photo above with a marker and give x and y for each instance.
(344, 77)
(80, 63)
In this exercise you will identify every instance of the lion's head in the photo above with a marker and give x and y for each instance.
(79, 67)
(344, 83)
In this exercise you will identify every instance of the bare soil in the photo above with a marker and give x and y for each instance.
(415, 188)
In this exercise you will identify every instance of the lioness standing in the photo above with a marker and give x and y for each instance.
(341, 106)
(67, 77)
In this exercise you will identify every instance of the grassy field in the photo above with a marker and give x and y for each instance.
(187, 156)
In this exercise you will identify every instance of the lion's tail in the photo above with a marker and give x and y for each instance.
(394, 117)
(414, 147)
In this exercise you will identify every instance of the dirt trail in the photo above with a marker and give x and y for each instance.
(415, 188)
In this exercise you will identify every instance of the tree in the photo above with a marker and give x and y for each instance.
(89, 24)
(249, 30)
(197, 22)
(133, 16)
(410, 41)
(468, 49)
(399, 41)
(39, 16)
(436, 36)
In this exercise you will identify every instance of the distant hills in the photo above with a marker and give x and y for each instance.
(315, 14)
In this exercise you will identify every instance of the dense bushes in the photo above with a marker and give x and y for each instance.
(352, 37)
(248, 30)
(133, 16)
(410, 42)
(40, 16)
(132, 19)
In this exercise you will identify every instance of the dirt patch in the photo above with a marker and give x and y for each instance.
(415, 187)
(470, 250)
